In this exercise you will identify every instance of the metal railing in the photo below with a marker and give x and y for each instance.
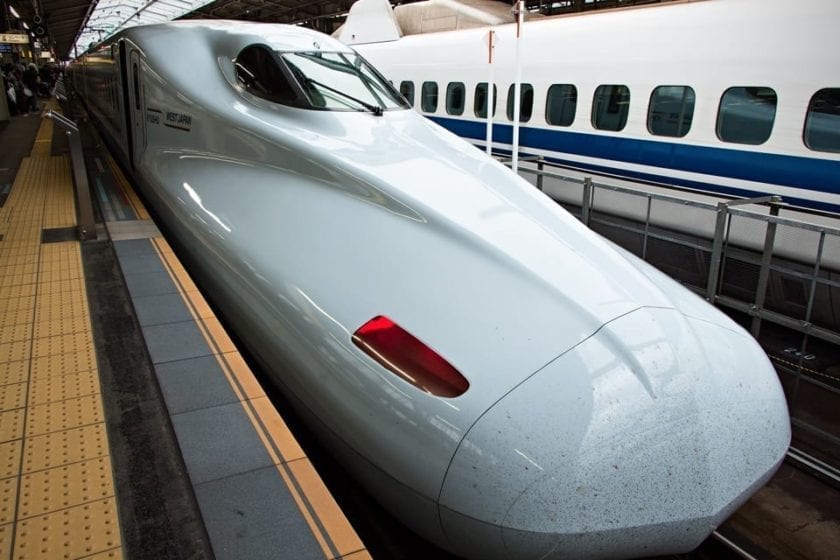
(717, 250)
(87, 226)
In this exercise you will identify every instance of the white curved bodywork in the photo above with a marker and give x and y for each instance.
(592, 376)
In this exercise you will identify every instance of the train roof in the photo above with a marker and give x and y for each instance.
(280, 37)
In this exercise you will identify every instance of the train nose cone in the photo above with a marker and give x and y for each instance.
(639, 441)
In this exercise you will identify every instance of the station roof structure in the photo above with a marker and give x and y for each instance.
(68, 27)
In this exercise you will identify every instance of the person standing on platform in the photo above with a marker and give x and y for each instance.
(30, 84)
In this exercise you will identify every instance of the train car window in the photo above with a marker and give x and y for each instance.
(526, 102)
(135, 74)
(561, 104)
(610, 107)
(259, 73)
(480, 100)
(670, 111)
(822, 125)
(429, 97)
(407, 91)
(746, 115)
(456, 95)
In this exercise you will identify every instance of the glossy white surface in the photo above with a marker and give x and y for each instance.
(302, 225)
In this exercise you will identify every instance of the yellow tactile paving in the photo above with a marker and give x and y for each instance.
(65, 325)
(62, 448)
(6, 540)
(10, 458)
(63, 415)
(59, 388)
(14, 351)
(14, 372)
(56, 483)
(11, 423)
(19, 317)
(71, 485)
(62, 364)
(17, 304)
(62, 344)
(69, 533)
(113, 554)
(13, 396)
(8, 494)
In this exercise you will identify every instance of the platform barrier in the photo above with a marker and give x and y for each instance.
(86, 227)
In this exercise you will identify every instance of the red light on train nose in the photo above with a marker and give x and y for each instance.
(400, 352)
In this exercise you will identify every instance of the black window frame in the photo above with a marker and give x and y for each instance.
(809, 117)
(424, 96)
(548, 98)
(410, 97)
(297, 98)
(526, 91)
(478, 87)
(615, 103)
(650, 115)
(451, 89)
(720, 115)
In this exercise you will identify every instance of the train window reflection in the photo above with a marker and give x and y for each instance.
(526, 102)
(429, 97)
(258, 72)
(671, 111)
(610, 107)
(341, 81)
(746, 115)
(407, 91)
(480, 100)
(561, 104)
(822, 125)
(455, 98)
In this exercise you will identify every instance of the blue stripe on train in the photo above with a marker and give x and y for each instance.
(807, 173)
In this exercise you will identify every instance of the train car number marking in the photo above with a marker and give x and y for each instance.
(178, 120)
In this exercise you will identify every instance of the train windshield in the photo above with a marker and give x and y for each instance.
(342, 81)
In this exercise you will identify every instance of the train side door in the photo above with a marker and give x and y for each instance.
(136, 107)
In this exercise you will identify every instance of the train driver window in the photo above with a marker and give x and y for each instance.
(429, 97)
(480, 100)
(746, 115)
(407, 91)
(258, 71)
(456, 95)
(610, 107)
(561, 104)
(341, 81)
(822, 125)
(671, 110)
(526, 102)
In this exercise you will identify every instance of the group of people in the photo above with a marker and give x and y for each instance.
(23, 85)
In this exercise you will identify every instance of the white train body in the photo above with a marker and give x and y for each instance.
(730, 53)
(609, 413)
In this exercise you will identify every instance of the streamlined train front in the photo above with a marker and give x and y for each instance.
(507, 383)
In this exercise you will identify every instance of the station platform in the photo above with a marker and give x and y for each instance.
(130, 425)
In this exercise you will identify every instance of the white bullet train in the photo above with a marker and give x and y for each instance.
(730, 97)
(507, 383)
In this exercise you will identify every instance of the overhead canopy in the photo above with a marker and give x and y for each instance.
(67, 24)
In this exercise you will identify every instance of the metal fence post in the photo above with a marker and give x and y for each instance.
(87, 226)
(717, 250)
(540, 167)
(586, 206)
(764, 273)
